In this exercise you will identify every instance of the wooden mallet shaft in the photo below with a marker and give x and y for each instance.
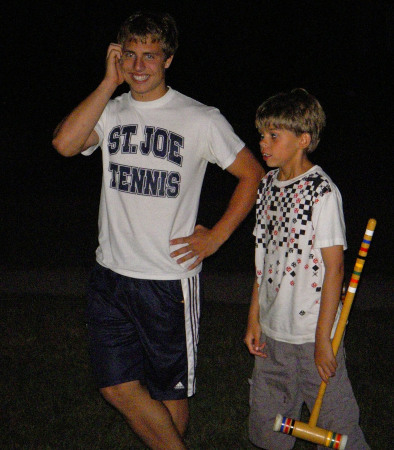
(310, 432)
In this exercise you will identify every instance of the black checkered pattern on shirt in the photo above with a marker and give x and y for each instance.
(282, 214)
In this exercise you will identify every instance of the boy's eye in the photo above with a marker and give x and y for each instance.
(274, 135)
(149, 56)
(128, 55)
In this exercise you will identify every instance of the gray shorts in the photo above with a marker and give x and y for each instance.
(287, 378)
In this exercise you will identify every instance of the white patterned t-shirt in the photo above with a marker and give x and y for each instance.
(294, 220)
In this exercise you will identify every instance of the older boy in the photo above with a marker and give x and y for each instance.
(300, 238)
(143, 309)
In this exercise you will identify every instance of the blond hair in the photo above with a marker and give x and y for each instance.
(296, 111)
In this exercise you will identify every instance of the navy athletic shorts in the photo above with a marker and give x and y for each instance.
(144, 330)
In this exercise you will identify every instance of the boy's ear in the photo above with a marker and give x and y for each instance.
(168, 61)
(305, 140)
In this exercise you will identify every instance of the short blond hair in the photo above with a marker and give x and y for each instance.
(296, 111)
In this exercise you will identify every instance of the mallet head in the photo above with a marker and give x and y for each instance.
(304, 431)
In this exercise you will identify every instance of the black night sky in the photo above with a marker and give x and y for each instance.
(232, 56)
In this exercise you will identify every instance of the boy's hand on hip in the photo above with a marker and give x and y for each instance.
(201, 244)
(325, 361)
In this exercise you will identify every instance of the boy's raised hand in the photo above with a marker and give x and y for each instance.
(114, 71)
(325, 361)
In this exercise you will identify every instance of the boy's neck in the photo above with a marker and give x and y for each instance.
(288, 173)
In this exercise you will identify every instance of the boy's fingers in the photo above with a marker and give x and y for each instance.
(326, 372)
(322, 374)
(258, 349)
(250, 343)
(114, 48)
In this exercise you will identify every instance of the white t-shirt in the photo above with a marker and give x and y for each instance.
(154, 160)
(295, 219)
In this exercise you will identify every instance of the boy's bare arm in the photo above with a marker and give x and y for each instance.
(204, 241)
(334, 270)
(76, 132)
(253, 331)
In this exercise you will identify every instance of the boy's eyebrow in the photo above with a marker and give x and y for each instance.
(125, 50)
(271, 128)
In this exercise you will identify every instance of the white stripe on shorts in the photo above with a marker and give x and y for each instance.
(191, 295)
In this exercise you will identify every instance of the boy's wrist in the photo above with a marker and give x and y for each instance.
(323, 330)
(220, 234)
(253, 320)
(107, 86)
(321, 338)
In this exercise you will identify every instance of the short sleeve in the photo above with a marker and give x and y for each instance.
(223, 144)
(328, 220)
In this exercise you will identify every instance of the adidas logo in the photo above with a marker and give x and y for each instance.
(179, 386)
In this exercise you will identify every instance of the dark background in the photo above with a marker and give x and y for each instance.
(231, 55)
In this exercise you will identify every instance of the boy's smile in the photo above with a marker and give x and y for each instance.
(144, 65)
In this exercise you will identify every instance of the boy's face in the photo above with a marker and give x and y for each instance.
(144, 65)
(281, 148)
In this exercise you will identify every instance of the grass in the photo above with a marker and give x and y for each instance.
(48, 398)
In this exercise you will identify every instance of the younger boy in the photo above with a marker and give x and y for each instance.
(300, 238)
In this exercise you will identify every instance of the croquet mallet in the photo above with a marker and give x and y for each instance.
(309, 431)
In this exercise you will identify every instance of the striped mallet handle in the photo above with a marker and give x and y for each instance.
(347, 304)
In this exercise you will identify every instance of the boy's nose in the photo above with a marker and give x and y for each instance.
(139, 64)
